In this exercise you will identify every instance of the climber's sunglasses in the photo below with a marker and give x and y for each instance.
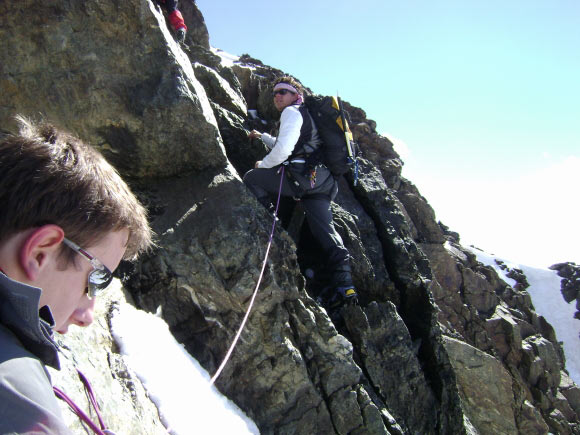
(99, 278)
(282, 92)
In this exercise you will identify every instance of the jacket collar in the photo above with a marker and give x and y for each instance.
(33, 327)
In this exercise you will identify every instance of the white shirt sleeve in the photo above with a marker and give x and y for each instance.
(269, 140)
(290, 125)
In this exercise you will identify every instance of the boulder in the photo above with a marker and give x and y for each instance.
(571, 391)
(541, 363)
(485, 387)
(420, 213)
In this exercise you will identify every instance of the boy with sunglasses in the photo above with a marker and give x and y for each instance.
(312, 182)
(66, 221)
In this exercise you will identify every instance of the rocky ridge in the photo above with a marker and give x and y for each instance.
(439, 344)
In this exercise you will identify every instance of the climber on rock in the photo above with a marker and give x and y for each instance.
(175, 18)
(310, 181)
(67, 219)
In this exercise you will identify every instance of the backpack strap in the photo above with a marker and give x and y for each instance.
(309, 141)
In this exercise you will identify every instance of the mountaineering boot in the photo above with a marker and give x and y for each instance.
(180, 35)
(335, 298)
(343, 296)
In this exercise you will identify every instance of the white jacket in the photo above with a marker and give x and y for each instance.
(282, 146)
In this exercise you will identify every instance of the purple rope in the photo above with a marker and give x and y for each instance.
(236, 338)
(92, 398)
(78, 411)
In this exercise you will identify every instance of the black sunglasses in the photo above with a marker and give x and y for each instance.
(282, 92)
(100, 277)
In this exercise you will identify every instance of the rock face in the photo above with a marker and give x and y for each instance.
(439, 345)
(98, 68)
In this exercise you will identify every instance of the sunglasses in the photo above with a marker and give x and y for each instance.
(282, 92)
(99, 278)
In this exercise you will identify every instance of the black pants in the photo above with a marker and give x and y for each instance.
(170, 5)
(316, 202)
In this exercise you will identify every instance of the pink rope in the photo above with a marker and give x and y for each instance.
(236, 338)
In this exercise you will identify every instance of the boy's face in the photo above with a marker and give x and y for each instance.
(64, 291)
(284, 98)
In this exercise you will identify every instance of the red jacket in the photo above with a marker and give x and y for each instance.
(175, 17)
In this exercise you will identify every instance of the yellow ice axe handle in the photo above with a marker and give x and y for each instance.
(345, 127)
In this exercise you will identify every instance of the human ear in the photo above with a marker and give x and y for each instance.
(38, 248)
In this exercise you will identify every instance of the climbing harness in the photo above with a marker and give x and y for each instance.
(102, 430)
(228, 354)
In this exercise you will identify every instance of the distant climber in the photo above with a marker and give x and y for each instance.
(175, 18)
(311, 182)
(67, 220)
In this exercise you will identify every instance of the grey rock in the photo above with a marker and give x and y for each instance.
(383, 341)
(101, 70)
(485, 387)
(571, 391)
(420, 213)
(531, 420)
(478, 293)
(541, 354)
(570, 284)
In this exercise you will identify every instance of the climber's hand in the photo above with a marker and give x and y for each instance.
(254, 134)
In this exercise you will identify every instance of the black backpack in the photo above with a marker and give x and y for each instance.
(338, 150)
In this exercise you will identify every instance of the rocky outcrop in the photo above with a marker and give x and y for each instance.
(439, 344)
(111, 72)
(570, 284)
(485, 387)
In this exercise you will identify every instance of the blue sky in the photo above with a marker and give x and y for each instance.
(482, 98)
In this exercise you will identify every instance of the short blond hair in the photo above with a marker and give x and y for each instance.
(49, 176)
